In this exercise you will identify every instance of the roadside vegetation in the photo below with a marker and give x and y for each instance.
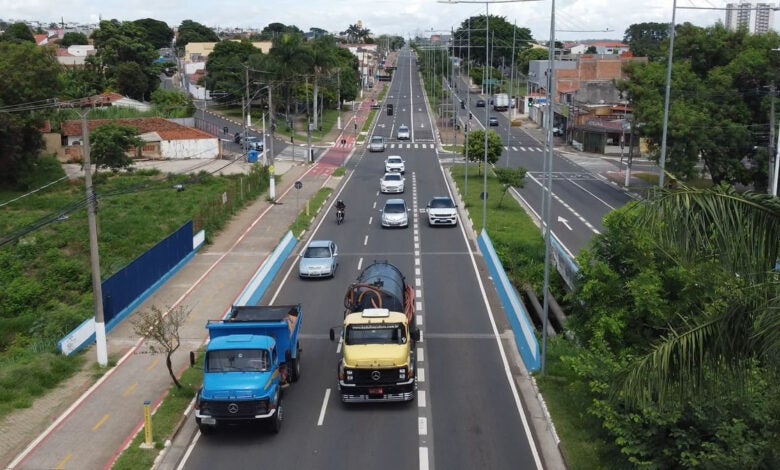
(46, 245)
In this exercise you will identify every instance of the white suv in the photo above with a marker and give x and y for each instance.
(442, 211)
(394, 163)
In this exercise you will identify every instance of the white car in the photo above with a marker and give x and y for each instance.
(391, 183)
(319, 259)
(442, 211)
(403, 133)
(394, 163)
(395, 213)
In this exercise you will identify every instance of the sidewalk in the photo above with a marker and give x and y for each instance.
(107, 412)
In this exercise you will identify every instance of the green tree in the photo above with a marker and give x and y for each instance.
(678, 325)
(504, 35)
(18, 32)
(192, 31)
(719, 105)
(290, 59)
(157, 32)
(74, 39)
(109, 145)
(275, 30)
(323, 59)
(29, 77)
(131, 81)
(525, 57)
(509, 177)
(646, 39)
(226, 68)
(173, 103)
(120, 43)
(740, 232)
(475, 150)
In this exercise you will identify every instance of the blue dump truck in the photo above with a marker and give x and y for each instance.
(252, 355)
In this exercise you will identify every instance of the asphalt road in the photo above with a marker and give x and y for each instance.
(580, 197)
(467, 413)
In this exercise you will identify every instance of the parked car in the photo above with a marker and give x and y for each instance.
(442, 211)
(557, 131)
(480, 103)
(394, 163)
(395, 213)
(492, 121)
(377, 144)
(319, 259)
(391, 183)
(403, 133)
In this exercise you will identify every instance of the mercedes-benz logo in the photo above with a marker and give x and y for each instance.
(233, 408)
(376, 375)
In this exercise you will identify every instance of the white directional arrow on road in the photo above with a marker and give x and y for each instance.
(564, 222)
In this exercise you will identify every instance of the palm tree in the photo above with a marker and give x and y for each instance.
(290, 60)
(323, 58)
(742, 232)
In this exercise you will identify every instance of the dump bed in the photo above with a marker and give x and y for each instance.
(281, 322)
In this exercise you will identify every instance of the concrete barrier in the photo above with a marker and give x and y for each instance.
(259, 283)
(518, 318)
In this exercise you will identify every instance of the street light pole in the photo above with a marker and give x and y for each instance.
(548, 158)
(662, 160)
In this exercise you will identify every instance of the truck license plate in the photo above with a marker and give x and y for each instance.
(209, 421)
(375, 391)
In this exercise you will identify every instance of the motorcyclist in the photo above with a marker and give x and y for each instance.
(340, 206)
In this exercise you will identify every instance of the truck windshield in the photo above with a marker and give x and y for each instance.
(237, 360)
(393, 333)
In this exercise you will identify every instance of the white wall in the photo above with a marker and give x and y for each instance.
(182, 149)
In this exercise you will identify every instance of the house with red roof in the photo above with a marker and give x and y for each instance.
(163, 139)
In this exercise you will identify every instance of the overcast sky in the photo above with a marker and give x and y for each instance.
(575, 19)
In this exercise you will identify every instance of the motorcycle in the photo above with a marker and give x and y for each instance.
(339, 216)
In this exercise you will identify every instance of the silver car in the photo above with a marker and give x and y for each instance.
(395, 213)
(377, 144)
(403, 133)
(319, 259)
(391, 183)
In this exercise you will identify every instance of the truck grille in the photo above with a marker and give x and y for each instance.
(378, 376)
(234, 409)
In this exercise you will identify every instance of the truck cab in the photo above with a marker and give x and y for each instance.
(378, 357)
(252, 355)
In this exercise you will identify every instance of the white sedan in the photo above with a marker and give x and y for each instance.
(394, 163)
(391, 183)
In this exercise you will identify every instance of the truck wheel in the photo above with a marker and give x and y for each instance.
(206, 429)
(276, 420)
(295, 370)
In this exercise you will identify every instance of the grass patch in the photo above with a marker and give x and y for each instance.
(26, 375)
(340, 171)
(165, 421)
(304, 220)
(567, 400)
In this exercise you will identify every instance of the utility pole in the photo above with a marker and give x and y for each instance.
(94, 254)
(772, 186)
(246, 121)
(272, 182)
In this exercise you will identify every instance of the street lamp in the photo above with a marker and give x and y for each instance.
(487, 108)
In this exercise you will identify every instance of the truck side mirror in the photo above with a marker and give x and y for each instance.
(332, 334)
(415, 333)
(192, 358)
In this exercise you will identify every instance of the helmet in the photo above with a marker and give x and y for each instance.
(340, 201)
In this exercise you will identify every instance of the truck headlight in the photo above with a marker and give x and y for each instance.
(348, 376)
(402, 373)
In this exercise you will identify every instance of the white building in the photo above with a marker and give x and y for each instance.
(756, 18)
